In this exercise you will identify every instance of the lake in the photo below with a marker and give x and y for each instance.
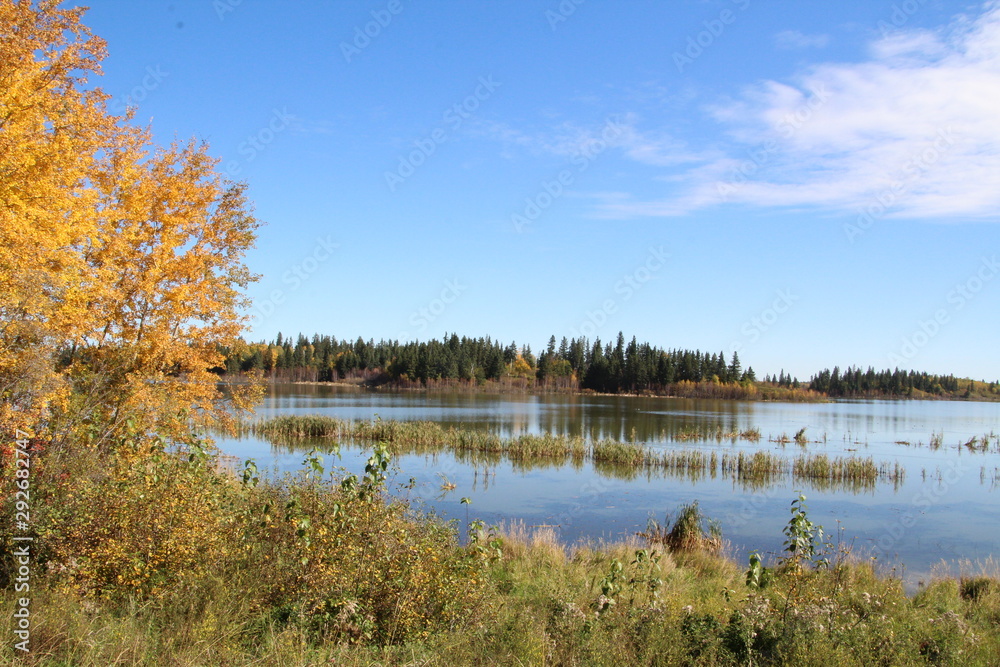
(945, 509)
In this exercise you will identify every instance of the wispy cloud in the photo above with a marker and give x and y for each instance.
(569, 139)
(793, 39)
(919, 118)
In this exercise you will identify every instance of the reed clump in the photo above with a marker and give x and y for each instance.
(620, 453)
(983, 443)
(691, 531)
(937, 439)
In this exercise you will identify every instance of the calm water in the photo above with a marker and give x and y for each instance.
(945, 510)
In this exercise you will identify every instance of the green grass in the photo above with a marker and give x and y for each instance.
(665, 598)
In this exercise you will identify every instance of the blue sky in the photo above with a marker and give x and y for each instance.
(810, 184)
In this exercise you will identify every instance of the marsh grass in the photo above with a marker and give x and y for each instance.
(992, 476)
(937, 439)
(782, 439)
(289, 428)
(717, 434)
(613, 458)
(983, 444)
(690, 531)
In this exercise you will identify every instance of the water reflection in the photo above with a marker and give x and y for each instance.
(646, 419)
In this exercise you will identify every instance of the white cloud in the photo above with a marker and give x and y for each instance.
(793, 39)
(917, 125)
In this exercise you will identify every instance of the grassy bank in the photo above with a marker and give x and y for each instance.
(612, 458)
(156, 558)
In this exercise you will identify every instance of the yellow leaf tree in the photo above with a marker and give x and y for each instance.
(121, 264)
(51, 130)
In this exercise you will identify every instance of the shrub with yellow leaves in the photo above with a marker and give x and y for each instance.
(149, 516)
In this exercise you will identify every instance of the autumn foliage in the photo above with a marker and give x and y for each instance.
(121, 274)
(121, 263)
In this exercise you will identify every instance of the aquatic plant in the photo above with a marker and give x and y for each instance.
(609, 457)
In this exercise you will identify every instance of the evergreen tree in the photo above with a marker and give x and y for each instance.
(735, 371)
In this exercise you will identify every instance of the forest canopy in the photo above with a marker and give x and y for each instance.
(570, 364)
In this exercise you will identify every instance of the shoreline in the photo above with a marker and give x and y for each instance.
(361, 386)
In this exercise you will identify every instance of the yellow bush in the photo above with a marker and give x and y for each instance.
(138, 522)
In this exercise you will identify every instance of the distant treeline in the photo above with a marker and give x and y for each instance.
(572, 364)
(853, 382)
